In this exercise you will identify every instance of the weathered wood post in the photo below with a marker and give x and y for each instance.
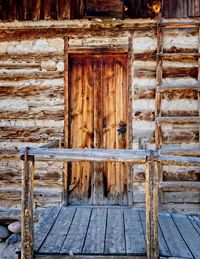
(65, 176)
(27, 207)
(152, 207)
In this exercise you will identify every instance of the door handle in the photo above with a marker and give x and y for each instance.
(122, 128)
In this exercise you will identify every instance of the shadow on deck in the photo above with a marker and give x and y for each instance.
(110, 232)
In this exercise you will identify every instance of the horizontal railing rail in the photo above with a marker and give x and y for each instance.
(151, 158)
(53, 143)
(95, 155)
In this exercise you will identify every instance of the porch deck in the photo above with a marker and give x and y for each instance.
(110, 232)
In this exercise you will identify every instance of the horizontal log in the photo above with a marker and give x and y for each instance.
(106, 155)
(168, 186)
(181, 152)
(53, 143)
(98, 50)
(34, 75)
(95, 155)
(168, 88)
(12, 195)
(42, 91)
(79, 24)
(178, 120)
(30, 134)
(43, 114)
(178, 160)
(190, 197)
(171, 72)
(186, 174)
(8, 216)
(178, 55)
(32, 57)
(179, 113)
(13, 153)
(168, 72)
(99, 24)
(180, 25)
(180, 136)
(80, 28)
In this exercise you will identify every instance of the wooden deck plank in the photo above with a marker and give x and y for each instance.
(175, 242)
(163, 248)
(74, 241)
(188, 233)
(90, 257)
(115, 239)
(195, 222)
(135, 239)
(57, 235)
(44, 225)
(94, 243)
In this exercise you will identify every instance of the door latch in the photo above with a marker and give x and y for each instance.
(122, 128)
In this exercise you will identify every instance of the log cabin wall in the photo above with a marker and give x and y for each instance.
(32, 105)
(32, 109)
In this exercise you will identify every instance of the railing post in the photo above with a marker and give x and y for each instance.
(27, 207)
(152, 207)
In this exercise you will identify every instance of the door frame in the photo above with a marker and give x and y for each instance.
(96, 50)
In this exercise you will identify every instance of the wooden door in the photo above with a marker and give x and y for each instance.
(98, 118)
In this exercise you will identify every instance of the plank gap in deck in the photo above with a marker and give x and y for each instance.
(75, 239)
(194, 223)
(44, 226)
(95, 238)
(55, 239)
(188, 233)
(175, 242)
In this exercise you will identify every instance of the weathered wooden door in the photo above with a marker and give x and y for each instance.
(98, 118)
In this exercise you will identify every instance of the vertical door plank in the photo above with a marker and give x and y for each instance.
(64, 9)
(121, 118)
(76, 113)
(120, 138)
(46, 9)
(98, 174)
(193, 8)
(87, 125)
(109, 117)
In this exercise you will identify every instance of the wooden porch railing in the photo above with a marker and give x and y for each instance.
(152, 159)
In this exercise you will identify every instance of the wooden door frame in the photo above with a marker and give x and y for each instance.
(108, 50)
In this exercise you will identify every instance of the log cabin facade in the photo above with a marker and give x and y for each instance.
(120, 74)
